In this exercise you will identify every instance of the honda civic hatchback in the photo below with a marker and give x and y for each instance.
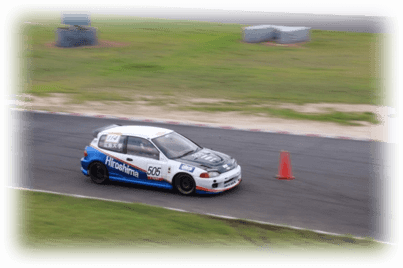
(157, 157)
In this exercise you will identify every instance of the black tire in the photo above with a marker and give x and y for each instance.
(185, 184)
(98, 173)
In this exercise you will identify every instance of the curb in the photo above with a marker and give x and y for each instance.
(135, 119)
(207, 214)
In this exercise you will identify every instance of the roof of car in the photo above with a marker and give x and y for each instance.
(147, 132)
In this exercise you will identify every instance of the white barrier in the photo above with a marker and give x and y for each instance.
(279, 34)
(289, 35)
(256, 34)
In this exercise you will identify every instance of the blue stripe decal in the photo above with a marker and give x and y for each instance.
(160, 184)
(205, 192)
(115, 167)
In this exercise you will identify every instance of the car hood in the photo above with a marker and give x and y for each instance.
(208, 159)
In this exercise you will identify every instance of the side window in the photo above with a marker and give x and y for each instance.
(142, 147)
(112, 142)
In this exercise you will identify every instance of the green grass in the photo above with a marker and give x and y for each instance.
(56, 221)
(202, 60)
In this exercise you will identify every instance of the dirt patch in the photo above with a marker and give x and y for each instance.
(101, 43)
(207, 100)
(34, 23)
(296, 45)
(140, 109)
(381, 112)
(313, 108)
(274, 44)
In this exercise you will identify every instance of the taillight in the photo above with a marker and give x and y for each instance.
(204, 175)
(85, 153)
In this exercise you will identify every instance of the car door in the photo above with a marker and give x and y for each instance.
(145, 157)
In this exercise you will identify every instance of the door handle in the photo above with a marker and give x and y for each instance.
(129, 159)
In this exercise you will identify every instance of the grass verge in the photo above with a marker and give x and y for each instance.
(56, 221)
(343, 118)
(202, 60)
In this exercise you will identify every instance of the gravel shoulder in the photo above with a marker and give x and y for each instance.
(381, 132)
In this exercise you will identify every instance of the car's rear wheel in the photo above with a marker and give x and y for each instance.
(98, 173)
(185, 184)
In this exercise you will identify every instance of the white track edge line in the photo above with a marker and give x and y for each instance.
(185, 211)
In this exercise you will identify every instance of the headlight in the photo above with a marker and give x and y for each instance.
(213, 174)
(210, 174)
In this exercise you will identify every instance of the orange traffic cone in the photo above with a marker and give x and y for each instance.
(284, 167)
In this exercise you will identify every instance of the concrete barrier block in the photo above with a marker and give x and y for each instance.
(290, 35)
(72, 37)
(260, 33)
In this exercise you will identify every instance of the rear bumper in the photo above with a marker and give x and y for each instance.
(84, 166)
(85, 172)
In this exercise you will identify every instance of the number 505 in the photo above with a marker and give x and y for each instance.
(154, 171)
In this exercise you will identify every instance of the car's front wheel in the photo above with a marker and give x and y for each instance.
(185, 184)
(98, 173)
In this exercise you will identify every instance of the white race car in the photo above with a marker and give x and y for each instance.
(157, 157)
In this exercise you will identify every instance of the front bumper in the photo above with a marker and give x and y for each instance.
(224, 182)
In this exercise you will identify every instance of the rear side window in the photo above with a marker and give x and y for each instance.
(112, 142)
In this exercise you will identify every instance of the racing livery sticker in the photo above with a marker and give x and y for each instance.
(233, 181)
(112, 145)
(204, 156)
(112, 138)
(153, 170)
(121, 167)
(187, 168)
(112, 142)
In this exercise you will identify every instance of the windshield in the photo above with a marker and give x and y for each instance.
(174, 145)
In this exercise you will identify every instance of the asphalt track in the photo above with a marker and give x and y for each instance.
(362, 24)
(340, 185)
